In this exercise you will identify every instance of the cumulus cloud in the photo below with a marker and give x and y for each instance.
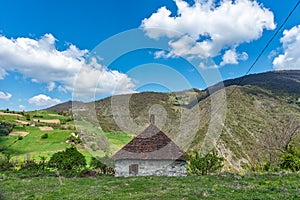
(5, 96)
(204, 29)
(290, 58)
(42, 100)
(232, 57)
(40, 60)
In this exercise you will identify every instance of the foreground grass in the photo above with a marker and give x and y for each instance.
(223, 186)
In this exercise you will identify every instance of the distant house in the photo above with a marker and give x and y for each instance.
(151, 152)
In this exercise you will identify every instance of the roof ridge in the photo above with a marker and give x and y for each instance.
(149, 144)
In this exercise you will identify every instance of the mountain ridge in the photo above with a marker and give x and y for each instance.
(261, 79)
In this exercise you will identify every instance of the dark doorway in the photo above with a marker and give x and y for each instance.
(133, 169)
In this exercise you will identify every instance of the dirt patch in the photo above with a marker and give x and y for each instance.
(45, 128)
(11, 114)
(19, 133)
(22, 122)
(54, 115)
(49, 121)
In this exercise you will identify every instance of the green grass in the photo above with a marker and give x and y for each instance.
(34, 145)
(223, 186)
(19, 128)
(118, 138)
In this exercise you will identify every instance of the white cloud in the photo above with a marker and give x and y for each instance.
(163, 54)
(22, 107)
(5, 96)
(3, 73)
(97, 79)
(290, 58)
(205, 29)
(42, 62)
(51, 86)
(232, 57)
(42, 100)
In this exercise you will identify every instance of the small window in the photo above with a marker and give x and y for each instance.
(133, 169)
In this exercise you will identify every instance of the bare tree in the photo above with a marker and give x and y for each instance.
(278, 140)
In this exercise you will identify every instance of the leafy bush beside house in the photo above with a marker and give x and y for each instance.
(203, 165)
(68, 162)
(291, 159)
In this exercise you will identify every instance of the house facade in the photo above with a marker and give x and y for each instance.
(151, 152)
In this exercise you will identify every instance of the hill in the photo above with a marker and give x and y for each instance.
(260, 110)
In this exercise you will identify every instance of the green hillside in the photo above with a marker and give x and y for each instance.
(261, 112)
(25, 138)
(258, 110)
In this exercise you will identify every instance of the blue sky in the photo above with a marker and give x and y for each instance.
(53, 51)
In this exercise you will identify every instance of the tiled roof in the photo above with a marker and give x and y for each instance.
(151, 144)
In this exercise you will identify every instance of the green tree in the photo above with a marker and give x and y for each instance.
(291, 159)
(202, 165)
(68, 162)
(27, 117)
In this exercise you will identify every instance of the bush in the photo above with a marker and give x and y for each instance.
(5, 162)
(34, 166)
(30, 165)
(5, 128)
(291, 159)
(28, 118)
(202, 165)
(69, 162)
(44, 136)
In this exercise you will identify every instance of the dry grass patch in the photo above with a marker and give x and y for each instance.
(46, 128)
(54, 115)
(11, 114)
(49, 121)
(21, 133)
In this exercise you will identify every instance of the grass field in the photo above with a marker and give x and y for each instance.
(33, 146)
(222, 186)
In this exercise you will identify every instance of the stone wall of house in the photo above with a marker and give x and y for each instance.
(151, 167)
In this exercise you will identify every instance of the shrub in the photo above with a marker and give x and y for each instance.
(30, 165)
(291, 159)
(202, 165)
(69, 162)
(5, 128)
(44, 136)
(5, 162)
(34, 166)
(28, 117)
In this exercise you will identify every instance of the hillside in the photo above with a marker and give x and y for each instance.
(39, 134)
(256, 110)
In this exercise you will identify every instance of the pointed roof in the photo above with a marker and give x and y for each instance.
(151, 144)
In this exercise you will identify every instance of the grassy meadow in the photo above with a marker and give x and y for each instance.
(26, 139)
(221, 186)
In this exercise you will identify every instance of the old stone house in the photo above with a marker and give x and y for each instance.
(151, 152)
